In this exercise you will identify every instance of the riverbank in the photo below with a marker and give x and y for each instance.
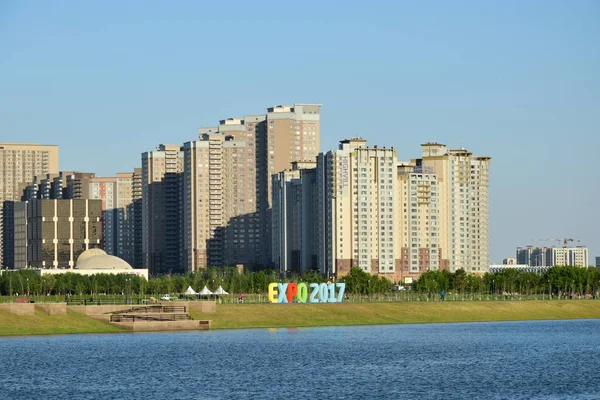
(230, 316)
(239, 316)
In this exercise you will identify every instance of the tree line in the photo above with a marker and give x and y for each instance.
(558, 281)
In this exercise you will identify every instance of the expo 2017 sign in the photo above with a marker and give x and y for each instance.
(320, 293)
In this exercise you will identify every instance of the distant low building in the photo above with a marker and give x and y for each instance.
(496, 268)
(553, 256)
(597, 262)
(509, 261)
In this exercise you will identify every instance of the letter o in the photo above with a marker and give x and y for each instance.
(302, 295)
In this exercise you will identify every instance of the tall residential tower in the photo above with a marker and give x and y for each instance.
(162, 210)
(19, 164)
(464, 203)
(357, 203)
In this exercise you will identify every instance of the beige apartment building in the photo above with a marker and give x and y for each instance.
(293, 134)
(357, 199)
(19, 163)
(221, 199)
(464, 200)
(227, 182)
(162, 210)
(419, 221)
(53, 233)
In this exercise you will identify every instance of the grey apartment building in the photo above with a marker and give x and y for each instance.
(53, 233)
(294, 218)
(162, 209)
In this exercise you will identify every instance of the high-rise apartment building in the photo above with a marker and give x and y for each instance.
(227, 185)
(419, 221)
(162, 210)
(19, 163)
(53, 233)
(357, 200)
(294, 217)
(464, 187)
(293, 133)
(526, 256)
(132, 250)
(221, 199)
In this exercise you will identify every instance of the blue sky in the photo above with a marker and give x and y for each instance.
(515, 80)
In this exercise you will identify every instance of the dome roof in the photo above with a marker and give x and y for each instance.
(90, 253)
(101, 261)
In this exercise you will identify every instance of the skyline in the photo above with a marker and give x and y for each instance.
(515, 82)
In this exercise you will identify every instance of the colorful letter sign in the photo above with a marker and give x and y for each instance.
(319, 293)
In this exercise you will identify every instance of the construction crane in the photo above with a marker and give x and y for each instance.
(564, 241)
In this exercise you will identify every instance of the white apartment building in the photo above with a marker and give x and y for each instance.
(567, 256)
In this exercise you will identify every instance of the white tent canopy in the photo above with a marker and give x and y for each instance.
(190, 291)
(220, 291)
(205, 292)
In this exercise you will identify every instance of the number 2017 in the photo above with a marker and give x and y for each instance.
(324, 293)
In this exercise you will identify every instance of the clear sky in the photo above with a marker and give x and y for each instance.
(515, 80)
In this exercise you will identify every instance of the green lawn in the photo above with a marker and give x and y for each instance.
(44, 324)
(297, 315)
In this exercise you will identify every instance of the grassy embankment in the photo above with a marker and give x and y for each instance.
(230, 316)
(44, 324)
(302, 315)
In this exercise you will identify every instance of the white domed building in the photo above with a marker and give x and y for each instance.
(96, 261)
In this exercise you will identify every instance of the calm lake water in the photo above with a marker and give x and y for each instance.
(508, 360)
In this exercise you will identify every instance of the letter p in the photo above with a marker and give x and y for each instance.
(292, 290)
